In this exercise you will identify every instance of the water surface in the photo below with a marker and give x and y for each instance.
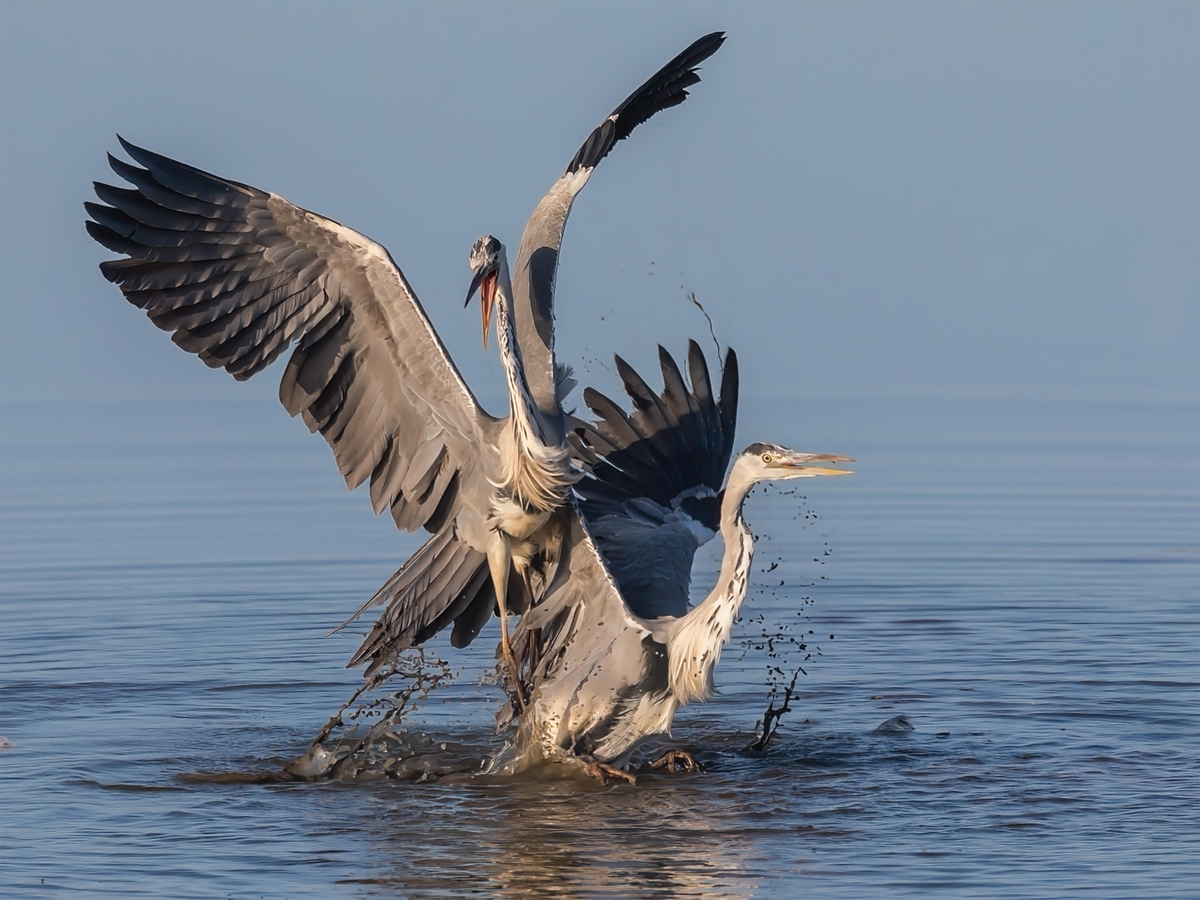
(1021, 580)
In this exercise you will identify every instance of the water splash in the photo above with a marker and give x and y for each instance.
(385, 748)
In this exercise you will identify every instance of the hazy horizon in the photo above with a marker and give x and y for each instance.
(872, 200)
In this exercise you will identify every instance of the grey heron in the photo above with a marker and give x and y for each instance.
(440, 583)
(609, 663)
(240, 275)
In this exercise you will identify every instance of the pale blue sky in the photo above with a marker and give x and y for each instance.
(870, 199)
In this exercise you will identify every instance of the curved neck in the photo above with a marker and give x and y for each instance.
(522, 405)
(695, 647)
(535, 466)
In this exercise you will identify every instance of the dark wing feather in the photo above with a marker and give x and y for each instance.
(675, 441)
(654, 476)
(665, 88)
(436, 586)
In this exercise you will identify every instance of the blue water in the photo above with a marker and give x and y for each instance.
(1020, 579)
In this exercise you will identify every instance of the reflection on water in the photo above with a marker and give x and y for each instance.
(988, 574)
(561, 838)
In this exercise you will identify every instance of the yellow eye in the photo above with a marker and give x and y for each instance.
(766, 457)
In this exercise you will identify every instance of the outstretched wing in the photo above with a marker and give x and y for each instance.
(240, 275)
(653, 492)
(537, 259)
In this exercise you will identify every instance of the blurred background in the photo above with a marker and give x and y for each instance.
(883, 200)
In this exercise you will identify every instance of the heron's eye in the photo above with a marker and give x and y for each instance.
(766, 457)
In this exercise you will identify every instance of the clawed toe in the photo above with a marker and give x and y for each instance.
(602, 772)
(685, 760)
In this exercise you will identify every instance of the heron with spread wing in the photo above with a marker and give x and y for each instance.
(613, 649)
(240, 276)
(442, 582)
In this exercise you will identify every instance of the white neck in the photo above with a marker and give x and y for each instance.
(520, 400)
(696, 644)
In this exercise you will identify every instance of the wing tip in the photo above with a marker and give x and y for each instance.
(664, 89)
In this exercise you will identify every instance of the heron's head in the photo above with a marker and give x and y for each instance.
(770, 462)
(485, 258)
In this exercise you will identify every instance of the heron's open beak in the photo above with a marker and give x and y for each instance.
(802, 460)
(484, 282)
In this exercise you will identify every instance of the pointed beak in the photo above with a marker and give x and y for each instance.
(484, 282)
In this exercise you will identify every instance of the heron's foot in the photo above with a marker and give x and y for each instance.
(603, 771)
(685, 761)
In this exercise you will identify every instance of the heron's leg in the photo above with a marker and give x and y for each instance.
(499, 562)
(686, 761)
(532, 650)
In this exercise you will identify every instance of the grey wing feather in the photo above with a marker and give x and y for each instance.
(240, 276)
(537, 259)
(652, 563)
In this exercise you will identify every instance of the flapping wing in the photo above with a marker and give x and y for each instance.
(652, 496)
(240, 275)
(537, 259)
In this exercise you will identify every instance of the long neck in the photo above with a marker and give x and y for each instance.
(521, 402)
(537, 265)
(696, 645)
(534, 472)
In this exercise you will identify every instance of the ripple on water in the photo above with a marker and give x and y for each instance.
(165, 659)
